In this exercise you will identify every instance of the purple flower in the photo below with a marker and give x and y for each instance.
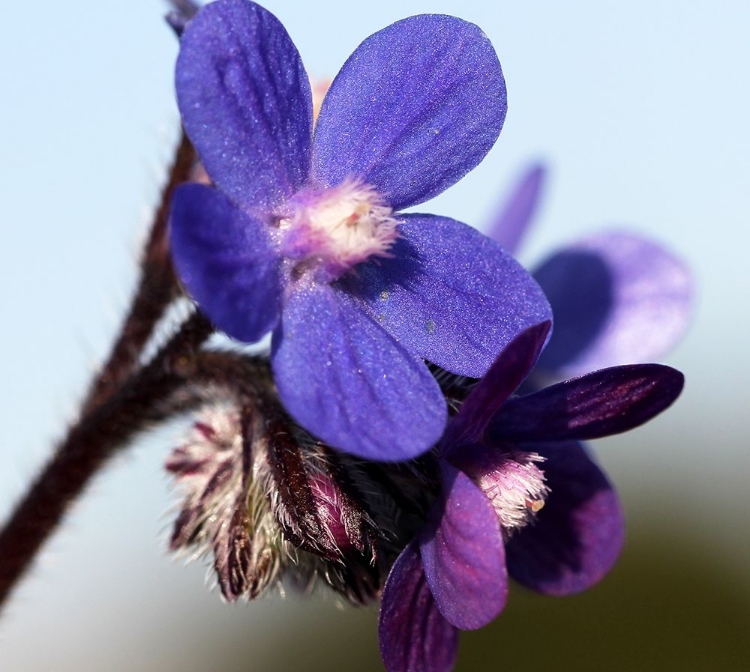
(617, 298)
(300, 235)
(520, 496)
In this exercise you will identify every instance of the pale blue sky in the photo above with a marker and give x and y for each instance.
(640, 108)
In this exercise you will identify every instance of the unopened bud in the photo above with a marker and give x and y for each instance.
(313, 502)
(225, 510)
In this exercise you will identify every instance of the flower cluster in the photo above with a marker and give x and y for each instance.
(270, 503)
(392, 444)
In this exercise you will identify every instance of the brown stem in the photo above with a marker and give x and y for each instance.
(154, 393)
(157, 287)
(122, 400)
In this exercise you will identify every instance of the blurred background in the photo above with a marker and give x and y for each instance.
(640, 110)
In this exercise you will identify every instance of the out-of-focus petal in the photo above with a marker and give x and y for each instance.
(415, 108)
(617, 299)
(578, 535)
(515, 215)
(245, 102)
(463, 554)
(509, 370)
(450, 294)
(226, 260)
(413, 635)
(183, 12)
(599, 404)
(177, 22)
(348, 382)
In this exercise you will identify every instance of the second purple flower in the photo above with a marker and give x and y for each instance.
(300, 236)
(520, 496)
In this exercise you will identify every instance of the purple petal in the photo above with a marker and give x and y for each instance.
(414, 636)
(348, 382)
(245, 102)
(600, 404)
(514, 217)
(617, 299)
(450, 294)
(463, 554)
(226, 260)
(415, 108)
(509, 370)
(578, 535)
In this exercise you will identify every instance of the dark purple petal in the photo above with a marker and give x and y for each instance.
(414, 636)
(245, 102)
(600, 404)
(514, 217)
(617, 299)
(415, 108)
(348, 382)
(578, 535)
(450, 294)
(226, 260)
(463, 554)
(508, 371)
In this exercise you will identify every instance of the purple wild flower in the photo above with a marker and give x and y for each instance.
(300, 235)
(519, 496)
(617, 297)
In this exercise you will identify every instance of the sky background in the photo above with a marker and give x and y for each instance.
(640, 110)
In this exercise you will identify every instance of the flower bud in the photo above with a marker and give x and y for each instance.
(314, 502)
(225, 509)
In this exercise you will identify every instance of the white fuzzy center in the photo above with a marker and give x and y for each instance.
(332, 230)
(517, 489)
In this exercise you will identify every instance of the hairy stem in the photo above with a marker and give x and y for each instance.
(153, 394)
(122, 399)
(157, 287)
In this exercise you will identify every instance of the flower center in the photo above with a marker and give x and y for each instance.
(329, 231)
(516, 486)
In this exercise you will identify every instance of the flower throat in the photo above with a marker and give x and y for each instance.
(329, 231)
